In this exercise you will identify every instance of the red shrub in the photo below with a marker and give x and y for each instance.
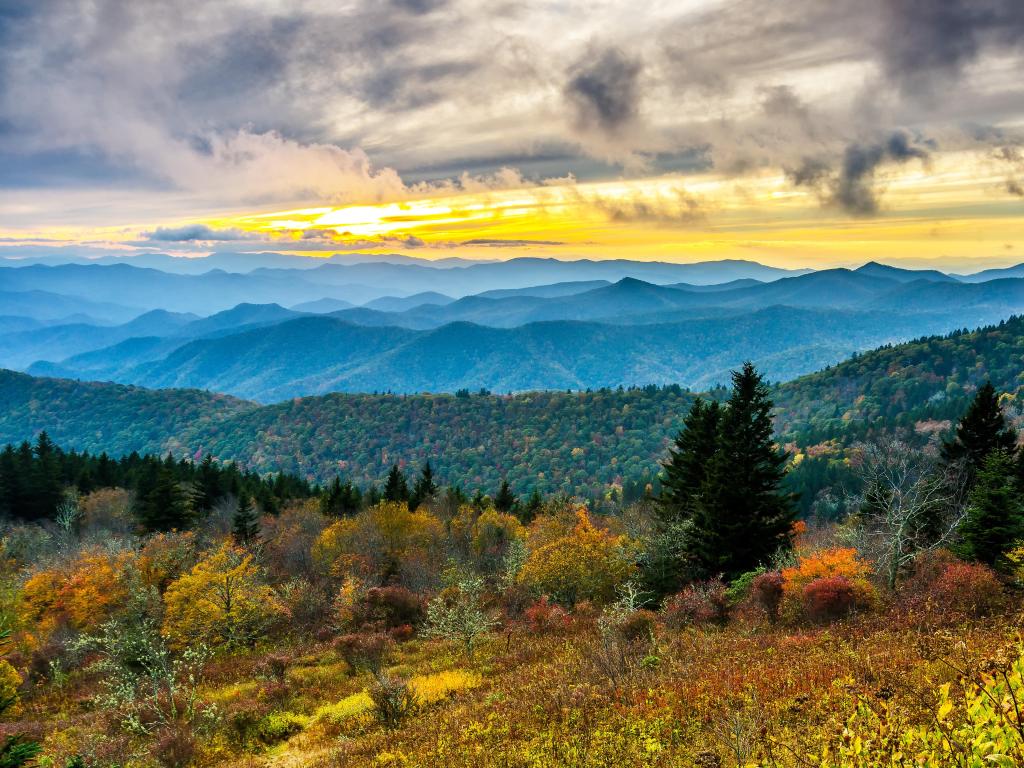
(828, 598)
(950, 590)
(545, 616)
(766, 592)
(175, 747)
(699, 603)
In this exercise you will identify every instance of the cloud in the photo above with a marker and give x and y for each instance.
(499, 243)
(677, 207)
(853, 186)
(603, 90)
(194, 232)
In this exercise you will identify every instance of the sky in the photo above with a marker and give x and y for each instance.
(798, 133)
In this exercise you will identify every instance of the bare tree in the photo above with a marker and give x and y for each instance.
(909, 503)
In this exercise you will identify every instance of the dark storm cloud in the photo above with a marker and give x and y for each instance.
(926, 42)
(603, 89)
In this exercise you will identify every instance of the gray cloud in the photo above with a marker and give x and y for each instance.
(852, 187)
(603, 90)
(196, 104)
(194, 232)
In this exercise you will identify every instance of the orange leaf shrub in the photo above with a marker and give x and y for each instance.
(824, 566)
(82, 595)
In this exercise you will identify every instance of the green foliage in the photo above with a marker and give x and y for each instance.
(980, 431)
(459, 615)
(245, 524)
(995, 512)
(741, 514)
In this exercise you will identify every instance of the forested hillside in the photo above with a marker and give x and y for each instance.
(588, 443)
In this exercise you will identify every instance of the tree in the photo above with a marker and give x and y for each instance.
(223, 599)
(206, 491)
(395, 487)
(994, 522)
(160, 503)
(741, 515)
(684, 473)
(47, 487)
(459, 614)
(505, 500)
(424, 488)
(981, 430)
(245, 525)
(909, 504)
(15, 751)
(341, 499)
(532, 507)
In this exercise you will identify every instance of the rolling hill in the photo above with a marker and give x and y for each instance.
(579, 442)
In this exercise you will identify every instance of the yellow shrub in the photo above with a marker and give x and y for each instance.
(429, 689)
(223, 600)
(585, 564)
(350, 706)
(10, 681)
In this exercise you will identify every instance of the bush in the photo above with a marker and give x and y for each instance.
(368, 651)
(639, 625)
(699, 603)
(279, 726)
(586, 563)
(766, 592)
(393, 700)
(175, 747)
(828, 598)
(950, 590)
(545, 616)
(388, 608)
(825, 566)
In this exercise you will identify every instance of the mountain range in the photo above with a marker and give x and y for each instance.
(580, 442)
(408, 325)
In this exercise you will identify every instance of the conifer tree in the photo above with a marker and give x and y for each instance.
(688, 460)
(47, 487)
(505, 500)
(532, 507)
(995, 512)
(982, 429)
(160, 502)
(742, 516)
(206, 491)
(245, 526)
(395, 487)
(424, 488)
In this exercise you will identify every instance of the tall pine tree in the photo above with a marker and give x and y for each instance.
(424, 488)
(688, 460)
(395, 487)
(505, 500)
(741, 515)
(981, 430)
(245, 525)
(995, 512)
(160, 502)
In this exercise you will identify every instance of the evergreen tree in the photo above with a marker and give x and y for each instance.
(395, 487)
(245, 525)
(742, 515)
(46, 485)
(995, 512)
(688, 460)
(161, 504)
(206, 488)
(981, 430)
(532, 507)
(424, 488)
(505, 500)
